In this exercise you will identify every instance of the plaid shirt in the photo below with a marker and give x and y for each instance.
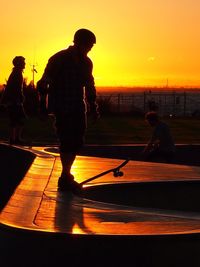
(70, 80)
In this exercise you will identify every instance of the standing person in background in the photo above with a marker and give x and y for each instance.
(161, 145)
(13, 99)
(42, 89)
(70, 84)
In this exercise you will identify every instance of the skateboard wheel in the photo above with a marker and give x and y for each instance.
(116, 173)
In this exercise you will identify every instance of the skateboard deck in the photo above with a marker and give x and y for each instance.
(116, 172)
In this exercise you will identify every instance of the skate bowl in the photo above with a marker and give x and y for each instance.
(170, 195)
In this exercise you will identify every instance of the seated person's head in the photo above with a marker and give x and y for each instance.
(152, 118)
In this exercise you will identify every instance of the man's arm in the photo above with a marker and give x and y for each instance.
(90, 93)
(44, 85)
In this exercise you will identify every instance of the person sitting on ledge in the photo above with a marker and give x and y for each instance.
(161, 145)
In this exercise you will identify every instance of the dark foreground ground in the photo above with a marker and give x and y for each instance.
(22, 248)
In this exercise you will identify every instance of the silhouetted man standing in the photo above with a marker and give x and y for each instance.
(13, 99)
(70, 83)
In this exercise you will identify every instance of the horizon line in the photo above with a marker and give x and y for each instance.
(140, 86)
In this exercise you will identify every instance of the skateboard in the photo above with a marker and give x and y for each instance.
(116, 172)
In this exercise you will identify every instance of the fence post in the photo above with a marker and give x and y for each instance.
(144, 101)
(184, 104)
(174, 103)
(118, 105)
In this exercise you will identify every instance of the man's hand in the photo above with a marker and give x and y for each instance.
(43, 114)
(94, 116)
(94, 113)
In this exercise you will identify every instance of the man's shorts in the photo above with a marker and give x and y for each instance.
(70, 129)
(16, 115)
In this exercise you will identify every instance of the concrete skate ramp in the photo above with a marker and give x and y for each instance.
(14, 164)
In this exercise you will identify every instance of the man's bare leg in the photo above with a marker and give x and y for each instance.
(67, 160)
(66, 180)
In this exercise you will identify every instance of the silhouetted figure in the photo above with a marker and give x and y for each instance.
(42, 89)
(13, 99)
(70, 84)
(161, 145)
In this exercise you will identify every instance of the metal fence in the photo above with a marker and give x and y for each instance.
(165, 103)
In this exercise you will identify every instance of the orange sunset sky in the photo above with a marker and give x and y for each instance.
(139, 42)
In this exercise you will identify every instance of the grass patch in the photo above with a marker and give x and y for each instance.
(109, 130)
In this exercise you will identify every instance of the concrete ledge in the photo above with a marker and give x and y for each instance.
(186, 154)
(23, 205)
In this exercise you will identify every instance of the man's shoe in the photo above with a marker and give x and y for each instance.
(64, 181)
(67, 183)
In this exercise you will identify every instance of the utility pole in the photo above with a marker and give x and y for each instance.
(34, 71)
(167, 83)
